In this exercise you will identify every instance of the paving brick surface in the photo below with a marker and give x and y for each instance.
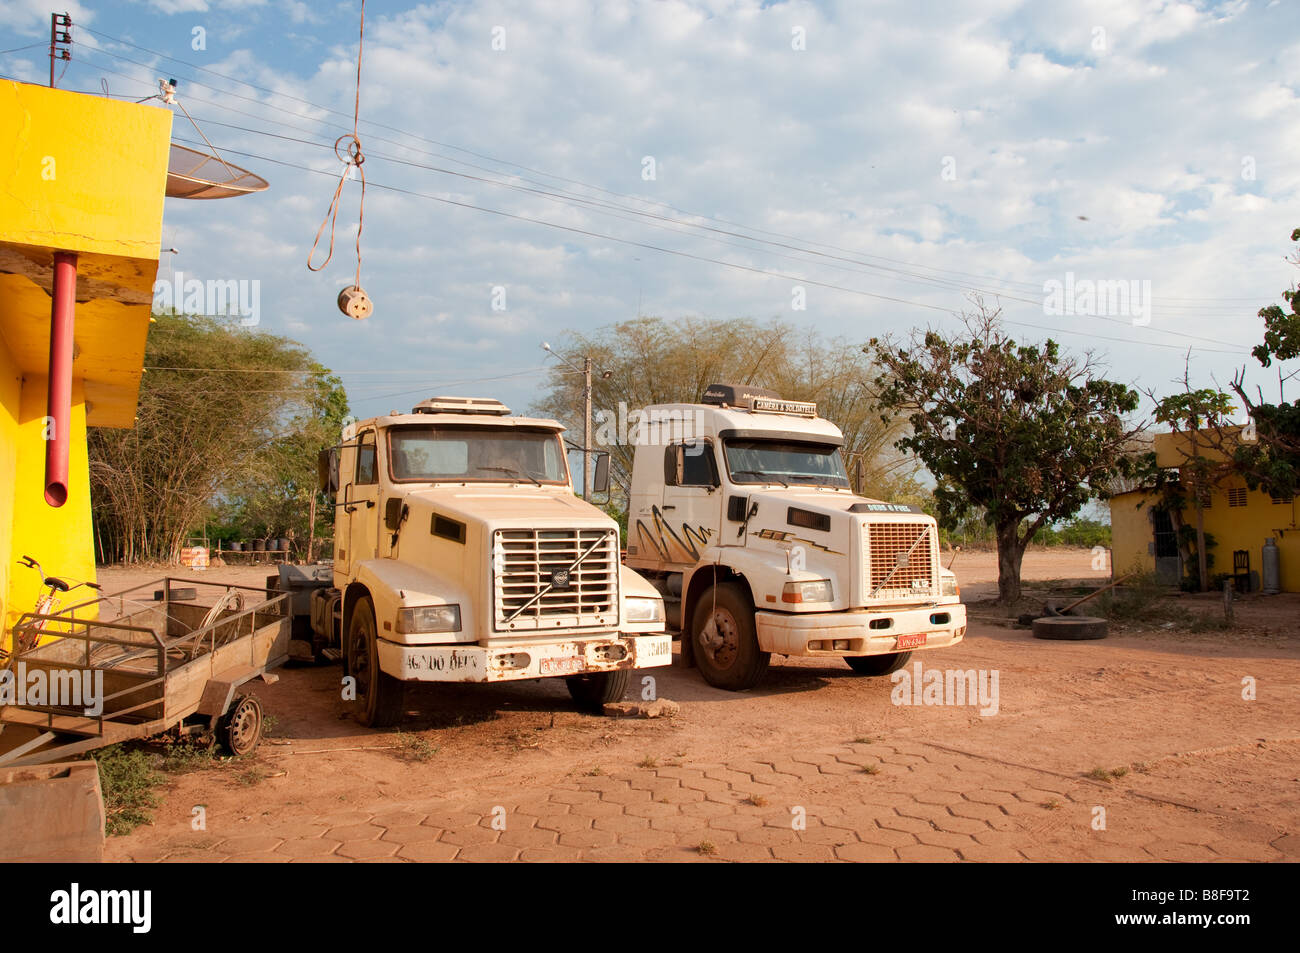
(932, 805)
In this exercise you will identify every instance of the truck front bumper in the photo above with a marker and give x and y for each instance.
(865, 632)
(518, 661)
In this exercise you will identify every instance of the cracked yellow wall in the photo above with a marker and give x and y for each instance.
(81, 173)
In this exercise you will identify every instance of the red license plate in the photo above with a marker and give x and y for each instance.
(912, 640)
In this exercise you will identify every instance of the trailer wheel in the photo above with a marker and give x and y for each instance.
(725, 639)
(240, 730)
(877, 664)
(379, 696)
(592, 692)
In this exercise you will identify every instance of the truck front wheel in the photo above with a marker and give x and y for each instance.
(877, 664)
(592, 692)
(725, 639)
(379, 696)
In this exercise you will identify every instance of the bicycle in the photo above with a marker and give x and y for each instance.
(27, 634)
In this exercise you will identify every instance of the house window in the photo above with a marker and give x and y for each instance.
(1237, 496)
(1281, 500)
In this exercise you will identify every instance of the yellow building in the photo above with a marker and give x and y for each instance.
(81, 208)
(1238, 518)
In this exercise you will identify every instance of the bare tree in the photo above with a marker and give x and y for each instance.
(655, 361)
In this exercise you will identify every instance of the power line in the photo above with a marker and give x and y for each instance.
(706, 258)
(29, 46)
(717, 261)
(942, 283)
(596, 206)
(1007, 281)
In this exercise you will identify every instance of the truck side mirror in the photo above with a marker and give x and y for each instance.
(327, 471)
(674, 463)
(600, 481)
(394, 513)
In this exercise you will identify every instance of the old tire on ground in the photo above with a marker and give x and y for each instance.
(593, 691)
(240, 729)
(877, 664)
(379, 696)
(1070, 628)
(726, 641)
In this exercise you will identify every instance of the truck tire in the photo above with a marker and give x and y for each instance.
(726, 652)
(1071, 628)
(379, 696)
(592, 692)
(877, 664)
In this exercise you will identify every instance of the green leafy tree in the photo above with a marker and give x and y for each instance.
(221, 409)
(276, 495)
(1022, 432)
(1269, 455)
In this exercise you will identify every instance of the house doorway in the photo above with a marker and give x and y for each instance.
(1169, 565)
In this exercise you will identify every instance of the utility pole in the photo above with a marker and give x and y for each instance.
(586, 429)
(59, 38)
(585, 371)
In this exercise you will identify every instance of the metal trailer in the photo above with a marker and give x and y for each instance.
(146, 665)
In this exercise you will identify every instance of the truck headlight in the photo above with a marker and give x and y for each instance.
(429, 619)
(950, 587)
(643, 610)
(818, 590)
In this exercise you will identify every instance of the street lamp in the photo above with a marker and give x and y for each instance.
(585, 371)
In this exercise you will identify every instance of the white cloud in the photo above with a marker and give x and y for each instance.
(840, 144)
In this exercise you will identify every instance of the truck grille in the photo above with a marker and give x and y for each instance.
(528, 594)
(901, 559)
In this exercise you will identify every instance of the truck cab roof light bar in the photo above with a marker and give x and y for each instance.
(461, 405)
(757, 399)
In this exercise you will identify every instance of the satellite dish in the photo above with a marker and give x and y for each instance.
(196, 175)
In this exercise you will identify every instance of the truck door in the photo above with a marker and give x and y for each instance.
(689, 518)
(360, 512)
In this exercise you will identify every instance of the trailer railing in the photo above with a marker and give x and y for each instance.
(78, 645)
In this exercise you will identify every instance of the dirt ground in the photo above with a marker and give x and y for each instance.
(1147, 745)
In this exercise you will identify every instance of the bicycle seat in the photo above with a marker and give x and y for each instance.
(57, 584)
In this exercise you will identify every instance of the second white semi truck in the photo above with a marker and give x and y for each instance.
(741, 514)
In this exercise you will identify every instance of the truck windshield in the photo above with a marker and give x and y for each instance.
(467, 454)
(785, 461)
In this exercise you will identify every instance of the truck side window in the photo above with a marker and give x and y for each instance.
(698, 466)
(366, 459)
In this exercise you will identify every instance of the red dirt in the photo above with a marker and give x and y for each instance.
(1208, 773)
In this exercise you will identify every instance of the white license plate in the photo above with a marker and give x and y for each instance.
(562, 666)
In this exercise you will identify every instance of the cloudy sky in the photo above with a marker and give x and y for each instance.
(857, 167)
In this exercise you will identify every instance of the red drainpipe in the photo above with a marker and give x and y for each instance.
(59, 409)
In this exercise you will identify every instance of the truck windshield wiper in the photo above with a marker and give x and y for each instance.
(761, 475)
(513, 472)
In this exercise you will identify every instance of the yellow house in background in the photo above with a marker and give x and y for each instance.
(1240, 519)
(80, 208)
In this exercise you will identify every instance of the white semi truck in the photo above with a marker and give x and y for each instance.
(462, 555)
(741, 514)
